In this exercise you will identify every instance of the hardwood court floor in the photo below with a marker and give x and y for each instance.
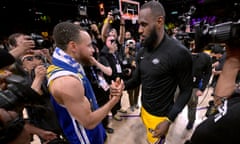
(131, 130)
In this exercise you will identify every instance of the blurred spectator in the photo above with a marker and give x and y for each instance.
(110, 58)
(25, 44)
(43, 116)
(99, 85)
(218, 58)
(108, 30)
(129, 65)
(32, 66)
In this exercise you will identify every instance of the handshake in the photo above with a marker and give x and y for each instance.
(116, 88)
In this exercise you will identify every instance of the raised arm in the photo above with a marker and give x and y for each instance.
(69, 92)
(106, 26)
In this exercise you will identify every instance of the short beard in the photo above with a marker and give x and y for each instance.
(151, 40)
(86, 62)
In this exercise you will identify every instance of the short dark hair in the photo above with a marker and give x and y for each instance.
(65, 32)
(217, 49)
(156, 8)
(12, 39)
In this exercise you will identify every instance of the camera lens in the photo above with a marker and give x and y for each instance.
(112, 41)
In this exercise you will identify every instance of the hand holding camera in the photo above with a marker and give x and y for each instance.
(40, 42)
(40, 72)
(109, 18)
(25, 44)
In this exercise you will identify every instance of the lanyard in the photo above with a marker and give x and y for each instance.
(115, 57)
(94, 74)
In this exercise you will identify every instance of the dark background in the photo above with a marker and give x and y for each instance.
(25, 15)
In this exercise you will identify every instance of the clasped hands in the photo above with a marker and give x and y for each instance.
(116, 88)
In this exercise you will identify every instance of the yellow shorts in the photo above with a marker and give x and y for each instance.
(150, 122)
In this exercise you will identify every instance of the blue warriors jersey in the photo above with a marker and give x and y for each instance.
(74, 131)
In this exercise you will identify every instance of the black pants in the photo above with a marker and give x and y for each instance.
(117, 107)
(133, 96)
(192, 105)
(102, 98)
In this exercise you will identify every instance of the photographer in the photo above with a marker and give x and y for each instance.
(129, 65)
(14, 130)
(201, 74)
(223, 127)
(111, 60)
(35, 68)
(108, 30)
(8, 58)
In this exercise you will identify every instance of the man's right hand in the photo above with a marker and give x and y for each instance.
(110, 17)
(25, 43)
(116, 88)
(40, 72)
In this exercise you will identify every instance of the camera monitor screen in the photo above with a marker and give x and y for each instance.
(129, 9)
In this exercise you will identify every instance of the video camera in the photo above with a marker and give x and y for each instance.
(187, 16)
(14, 98)
(18, 94)
(226, 32)
(204, 33)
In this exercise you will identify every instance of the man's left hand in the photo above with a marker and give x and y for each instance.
(161, 129)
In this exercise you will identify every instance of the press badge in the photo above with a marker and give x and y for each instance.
(102, 83)
(119, 69)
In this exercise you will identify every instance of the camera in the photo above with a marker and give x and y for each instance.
(18, 94)
(131, 44)
(40, 42)
(116, 14)
(131, 49)
(126, 71)
(14, 98)
(223, 32)
(187, 16)
(112, 41)
(227, 32)
(205, 32)
(86, 23)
